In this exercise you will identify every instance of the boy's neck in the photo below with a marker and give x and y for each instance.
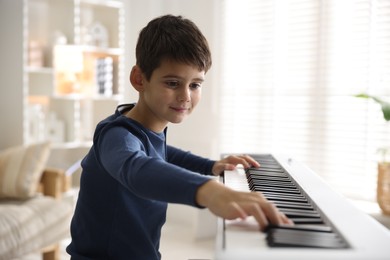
(139, 114)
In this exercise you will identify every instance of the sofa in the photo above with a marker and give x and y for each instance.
(33, 216)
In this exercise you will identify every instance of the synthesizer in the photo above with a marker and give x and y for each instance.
(327, 226)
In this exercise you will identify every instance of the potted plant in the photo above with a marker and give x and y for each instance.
(383, 184)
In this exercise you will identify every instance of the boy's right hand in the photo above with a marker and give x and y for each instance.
(229, 204)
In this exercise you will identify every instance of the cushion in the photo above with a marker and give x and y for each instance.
(21, 168)
(29, 225)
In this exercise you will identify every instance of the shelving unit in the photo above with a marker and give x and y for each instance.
(63, 42)
(32, 108)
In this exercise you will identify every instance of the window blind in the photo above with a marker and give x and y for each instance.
(290, 70)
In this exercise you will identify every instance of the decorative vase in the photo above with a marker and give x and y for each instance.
(383, 188)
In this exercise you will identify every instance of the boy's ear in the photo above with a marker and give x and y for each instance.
(136, 78)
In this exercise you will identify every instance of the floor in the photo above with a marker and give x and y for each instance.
(177, 245)
(178, 240)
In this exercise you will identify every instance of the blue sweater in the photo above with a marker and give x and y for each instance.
(129, 176)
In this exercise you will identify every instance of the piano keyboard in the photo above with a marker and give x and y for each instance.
(310, 229)
(326, 225)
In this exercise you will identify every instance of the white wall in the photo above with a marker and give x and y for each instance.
(199, 133)
(11, 73)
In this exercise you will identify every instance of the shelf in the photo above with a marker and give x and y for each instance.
(116, 97)
(37, 70)
(105, 51)
(105, 3)
(86, 70)
(76, 117)
(63, 101)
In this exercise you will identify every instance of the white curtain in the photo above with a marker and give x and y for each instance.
(290, 70)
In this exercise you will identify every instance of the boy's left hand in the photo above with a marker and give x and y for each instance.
(229, 163)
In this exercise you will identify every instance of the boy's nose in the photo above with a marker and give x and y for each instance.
(184, 95)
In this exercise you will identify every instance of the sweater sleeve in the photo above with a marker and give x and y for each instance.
(145, 176)
(189, 161)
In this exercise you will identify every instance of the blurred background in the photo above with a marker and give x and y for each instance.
(284, 78)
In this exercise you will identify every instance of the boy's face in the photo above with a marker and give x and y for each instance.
(172, 93)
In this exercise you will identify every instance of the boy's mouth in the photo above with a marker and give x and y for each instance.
(180, 109)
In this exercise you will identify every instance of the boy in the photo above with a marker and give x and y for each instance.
(130, 174)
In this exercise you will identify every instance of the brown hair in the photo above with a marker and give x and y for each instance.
(175, 38)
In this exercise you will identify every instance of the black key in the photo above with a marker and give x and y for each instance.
(272, 189)
(267, 184)
(291, 213)
(307, 220)
(286, 199)
(272, 177)
(263, 158)
(285, 194)
(302, 238)
(268, 164)
(273, 182)
(280, 170)
(292, 205)
(316, 228)
(266, 170)
(278, 178)
(270, 194)
(281, 179)
(270, 167)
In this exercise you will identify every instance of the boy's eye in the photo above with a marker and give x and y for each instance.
(195, 85)
(176, 84)
(172, 84)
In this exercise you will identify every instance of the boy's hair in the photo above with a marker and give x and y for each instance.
(175, 38)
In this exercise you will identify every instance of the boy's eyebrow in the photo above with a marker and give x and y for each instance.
(178, 77)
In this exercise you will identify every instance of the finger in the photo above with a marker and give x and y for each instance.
(247, 161)
(274, 215)
(251, 161)
(221, 167)
(240, 159)
(229, 167)
(252, 208)
(240, 213)
(270, 210)
(286, 220)
(259, 215)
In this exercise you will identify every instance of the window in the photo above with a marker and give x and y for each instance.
(290, 70)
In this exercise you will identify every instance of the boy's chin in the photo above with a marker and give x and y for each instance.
(178, 120)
